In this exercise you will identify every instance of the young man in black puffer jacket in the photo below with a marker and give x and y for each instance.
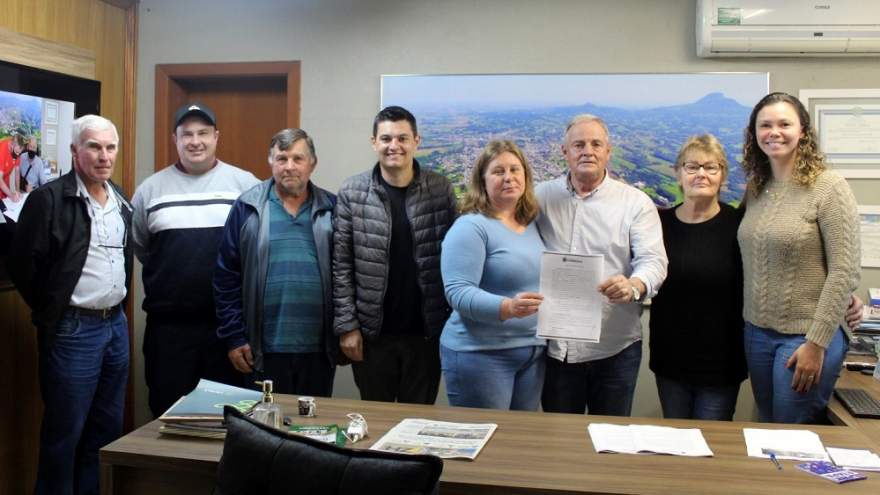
(389, 304)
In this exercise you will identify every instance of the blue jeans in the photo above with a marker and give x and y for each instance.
(82, 381)
(604, 386)
(682, 400)
(500, 379)
(766, 354)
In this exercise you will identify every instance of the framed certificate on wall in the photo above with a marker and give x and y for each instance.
(847, 123)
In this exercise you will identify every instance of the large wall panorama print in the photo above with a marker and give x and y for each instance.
(649, 115)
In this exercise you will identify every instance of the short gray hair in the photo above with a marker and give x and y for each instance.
(583, 119)
(91, 123)
(286, 138)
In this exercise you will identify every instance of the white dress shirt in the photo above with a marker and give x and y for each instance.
(102, 282)
(619, 222)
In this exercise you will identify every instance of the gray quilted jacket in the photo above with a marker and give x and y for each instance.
(362, 242)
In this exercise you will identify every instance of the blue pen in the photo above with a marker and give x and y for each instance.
(775, 461)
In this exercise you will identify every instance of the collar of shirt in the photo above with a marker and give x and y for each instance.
(179, 166)
(273, 197)
(570, 186)
(84, 193)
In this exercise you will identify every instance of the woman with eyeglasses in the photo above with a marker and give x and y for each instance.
(696, 318)
(800, 249)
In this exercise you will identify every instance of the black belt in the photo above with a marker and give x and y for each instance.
(97, 313)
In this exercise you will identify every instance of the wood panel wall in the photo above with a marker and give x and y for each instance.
(108, 30)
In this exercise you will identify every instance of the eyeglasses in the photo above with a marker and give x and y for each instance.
(711, 168)
(104, 240)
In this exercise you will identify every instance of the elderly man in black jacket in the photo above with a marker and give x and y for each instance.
(388, 295)
(71, 261)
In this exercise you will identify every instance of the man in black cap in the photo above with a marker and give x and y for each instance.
(178, 220)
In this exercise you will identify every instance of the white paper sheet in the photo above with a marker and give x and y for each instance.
(860, 460)
(798, 445)
(572, 307)
(13, 208)
(648, 439)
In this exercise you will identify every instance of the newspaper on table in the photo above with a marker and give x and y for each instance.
(446, 440)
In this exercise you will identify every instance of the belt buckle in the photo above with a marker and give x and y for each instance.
(107, 312)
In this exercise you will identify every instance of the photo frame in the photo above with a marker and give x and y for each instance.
(649, 116)
(847, 124)
(869, 226)
(51, 87)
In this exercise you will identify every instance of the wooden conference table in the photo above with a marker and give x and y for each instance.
(529, 453)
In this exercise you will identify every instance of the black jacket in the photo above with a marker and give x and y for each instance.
(50, 247)
(361, 247)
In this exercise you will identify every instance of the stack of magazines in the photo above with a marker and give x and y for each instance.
(200, 413)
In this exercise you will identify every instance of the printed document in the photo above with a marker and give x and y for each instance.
(647, 439)
(572, 307)
(860, 460)
(798, 445)
(446, 440)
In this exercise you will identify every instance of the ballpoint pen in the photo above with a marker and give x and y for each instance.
(775, 461)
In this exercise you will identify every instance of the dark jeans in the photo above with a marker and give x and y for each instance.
(299, 374)
(399, 368)
(177, 354)
(683, 400)
(604, 386)
(82, 381)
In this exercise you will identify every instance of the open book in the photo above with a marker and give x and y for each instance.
(646, 439)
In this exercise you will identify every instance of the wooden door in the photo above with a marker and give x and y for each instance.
(252, 102)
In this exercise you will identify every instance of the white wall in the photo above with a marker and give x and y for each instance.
(345, 45)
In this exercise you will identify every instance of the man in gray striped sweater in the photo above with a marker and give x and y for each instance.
(178, 221)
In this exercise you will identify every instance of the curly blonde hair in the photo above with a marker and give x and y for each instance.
(476, 199)
(809, 161)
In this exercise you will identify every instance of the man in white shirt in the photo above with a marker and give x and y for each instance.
(587, 212)
(71, 261)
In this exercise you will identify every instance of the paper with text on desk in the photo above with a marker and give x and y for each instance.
(648, 439)
(798, 445)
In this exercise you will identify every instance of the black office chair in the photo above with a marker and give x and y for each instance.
(261, 460)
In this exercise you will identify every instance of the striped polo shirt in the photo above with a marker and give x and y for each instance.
(293, 296)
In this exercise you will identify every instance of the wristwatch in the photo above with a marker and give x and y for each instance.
(636, 294)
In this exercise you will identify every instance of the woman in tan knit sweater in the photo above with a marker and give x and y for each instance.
(800, 251)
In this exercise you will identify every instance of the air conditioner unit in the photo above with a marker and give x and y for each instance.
(788, 28)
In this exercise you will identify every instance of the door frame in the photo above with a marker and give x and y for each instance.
(168, 88)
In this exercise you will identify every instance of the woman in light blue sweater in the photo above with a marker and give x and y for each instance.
(491, 262)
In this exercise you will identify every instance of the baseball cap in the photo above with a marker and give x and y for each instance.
(196, 109)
